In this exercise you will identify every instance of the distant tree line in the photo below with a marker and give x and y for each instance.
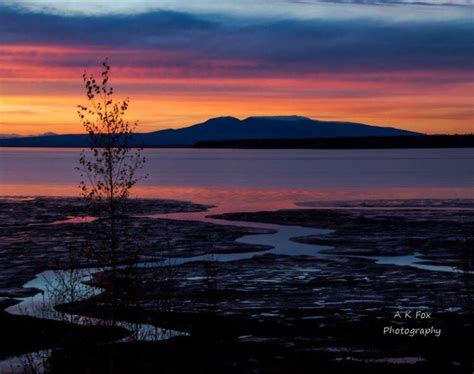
(370, 142)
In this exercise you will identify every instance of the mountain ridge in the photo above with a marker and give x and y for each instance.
(226, 128)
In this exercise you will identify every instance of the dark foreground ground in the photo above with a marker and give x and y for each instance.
(268, 314)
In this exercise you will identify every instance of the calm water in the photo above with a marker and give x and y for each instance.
(253, 179)
(237, 180)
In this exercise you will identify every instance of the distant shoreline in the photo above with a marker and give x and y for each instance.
(370, 142)
(373, 142)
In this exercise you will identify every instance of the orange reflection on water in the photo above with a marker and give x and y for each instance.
(251, 199)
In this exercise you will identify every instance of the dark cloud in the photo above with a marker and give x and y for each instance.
(17, 26)
(207, 45)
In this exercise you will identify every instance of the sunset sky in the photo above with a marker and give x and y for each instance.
(407, 64)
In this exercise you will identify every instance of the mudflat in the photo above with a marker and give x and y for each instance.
(269, 312)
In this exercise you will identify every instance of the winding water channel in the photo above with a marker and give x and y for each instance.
(43, 303)
(279, 239)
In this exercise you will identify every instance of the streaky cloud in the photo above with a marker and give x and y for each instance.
(191, 45)
(442, 3)
(269, 9)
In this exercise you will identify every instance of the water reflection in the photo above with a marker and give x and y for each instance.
(258, 179)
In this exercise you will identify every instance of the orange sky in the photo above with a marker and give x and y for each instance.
(171, 87)
(38, 99)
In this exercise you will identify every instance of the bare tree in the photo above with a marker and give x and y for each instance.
(109, 170)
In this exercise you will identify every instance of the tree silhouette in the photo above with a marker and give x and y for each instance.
(108, 171)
